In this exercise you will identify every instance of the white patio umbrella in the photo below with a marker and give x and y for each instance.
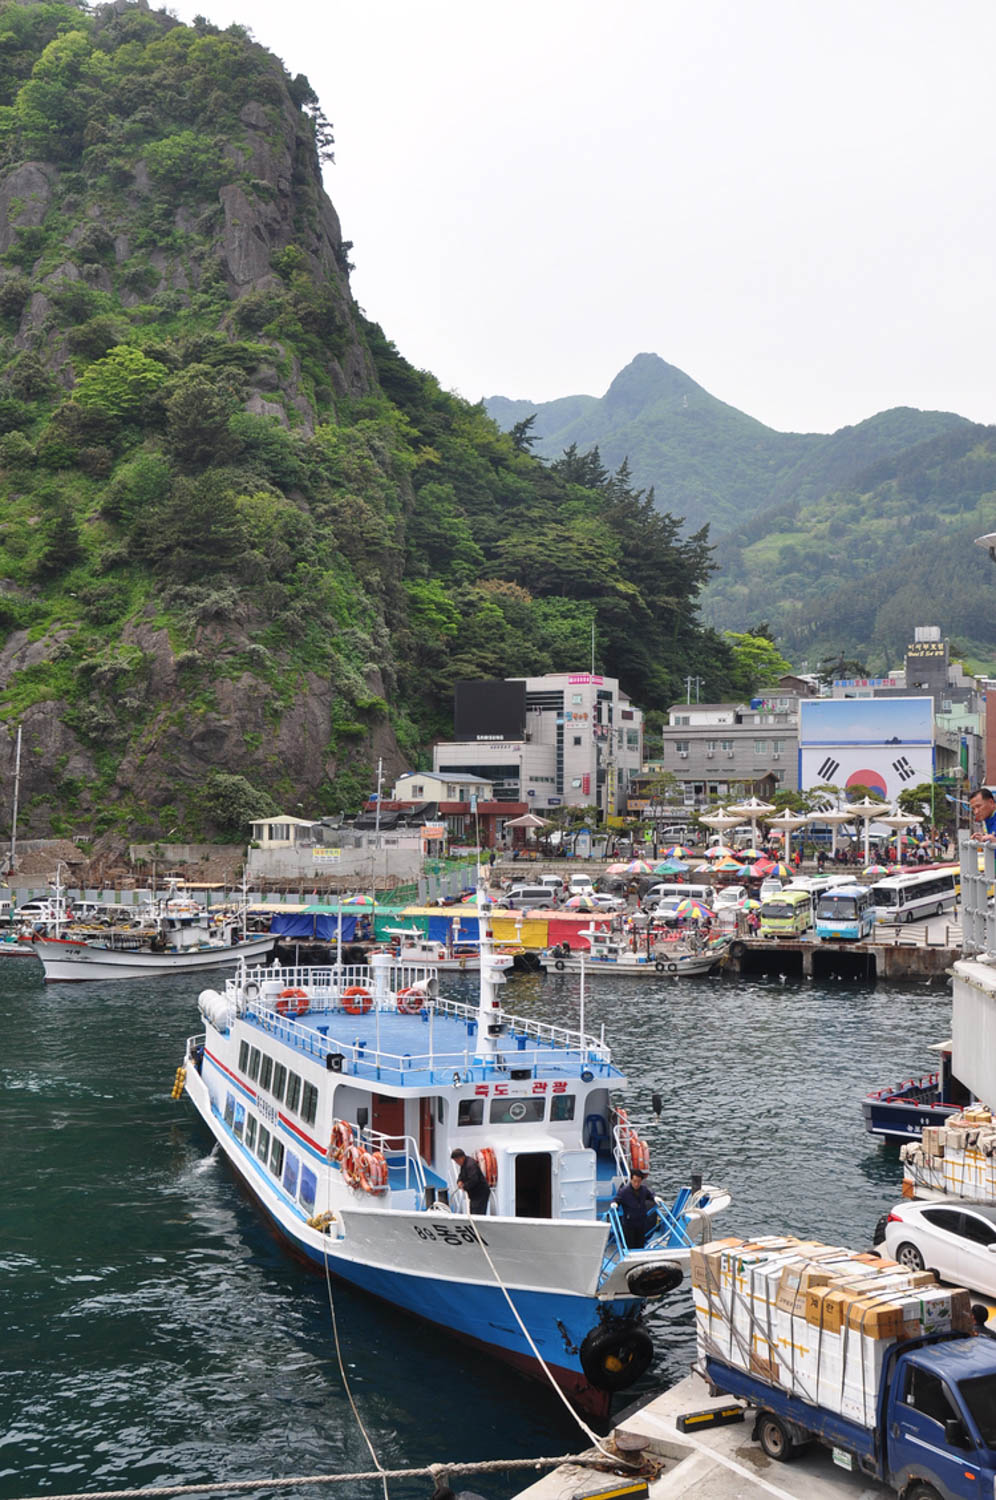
(719, 821)
(901, 822)
(753, 808)
(835, 817)
(787, 823)
(867, 809)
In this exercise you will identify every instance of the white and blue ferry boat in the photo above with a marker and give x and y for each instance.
(338, 1094)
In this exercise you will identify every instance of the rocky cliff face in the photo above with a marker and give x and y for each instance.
(180, 361)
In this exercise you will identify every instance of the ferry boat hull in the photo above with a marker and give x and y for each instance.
(70, 959)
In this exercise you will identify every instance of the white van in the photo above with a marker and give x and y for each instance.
(669, 891)
(770, 887)
(580, 885)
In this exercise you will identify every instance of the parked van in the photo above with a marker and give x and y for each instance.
(524, 896)
(554, 882)
(580, 885)
(668, 890)
(770, 887)
(787, 914)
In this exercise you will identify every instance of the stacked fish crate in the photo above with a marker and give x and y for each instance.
(816, 1320)
(957, 1158)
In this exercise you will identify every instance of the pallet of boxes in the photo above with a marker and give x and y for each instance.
(957, 1158)
(815, 1320)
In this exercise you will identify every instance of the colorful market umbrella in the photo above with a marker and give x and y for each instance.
(580, 903)
(705, 869)
(677, 851)
(359, 901)
(762, 868)
(876, 870)
(751, 905)
(731, 866)
(616, 869)
(695, 911)
(671, 867)
(719, 852)
(752, 853)
(639, 867)
(779, 871)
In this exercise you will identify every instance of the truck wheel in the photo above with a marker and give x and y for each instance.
(774, 1438)
(909, 1256)
(920, 1491)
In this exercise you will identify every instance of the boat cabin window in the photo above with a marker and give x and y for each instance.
(441, 1110)
(517, 1111)
(239, 1123)
(229, 1109)
(309, 1104)
(291, 1167)
(276, 1157)
(265, 1072)
(243, 1056)
(251, 1131)
(254, 1064)
(562, 1107)
(470, 1112)
(309, 1188)
(263, 1144)
(293, 1091)
(279, 1080)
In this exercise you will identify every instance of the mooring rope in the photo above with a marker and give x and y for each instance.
(435, 1472)
(345, 1379)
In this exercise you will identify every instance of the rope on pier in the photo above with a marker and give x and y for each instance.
(435, 1472)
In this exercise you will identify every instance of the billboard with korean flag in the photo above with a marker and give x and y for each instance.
(884, 744)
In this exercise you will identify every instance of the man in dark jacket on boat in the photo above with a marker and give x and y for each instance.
(635, 1202)
(472, 1180)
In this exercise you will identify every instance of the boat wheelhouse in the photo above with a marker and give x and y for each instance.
(338, 1095)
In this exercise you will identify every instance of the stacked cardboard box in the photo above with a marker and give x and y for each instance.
(816, 1320)
(957, 1158)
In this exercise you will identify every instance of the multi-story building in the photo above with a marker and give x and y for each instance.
(571, 739)
(729, 750)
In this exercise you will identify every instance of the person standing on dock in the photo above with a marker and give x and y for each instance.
(983, 806)
(635, 1202)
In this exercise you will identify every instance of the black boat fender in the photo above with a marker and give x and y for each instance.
(655, 1281)
(737, 949)
(616, 1354)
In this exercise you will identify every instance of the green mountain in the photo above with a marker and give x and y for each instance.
(705, 460)
(855, 568)
(245, 548)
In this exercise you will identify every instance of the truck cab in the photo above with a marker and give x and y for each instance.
(939, 1419)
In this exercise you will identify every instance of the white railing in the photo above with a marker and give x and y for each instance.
(555, 1036)
(978, 876)
(396, 1145)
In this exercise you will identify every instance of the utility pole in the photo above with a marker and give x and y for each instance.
(17, 790)
(380, 779)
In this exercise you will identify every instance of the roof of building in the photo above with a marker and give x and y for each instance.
(452, 775)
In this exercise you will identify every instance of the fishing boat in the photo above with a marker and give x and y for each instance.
(338, 1094)
(409, 947)
(671, 954)
(903, 1112)
(173, 934)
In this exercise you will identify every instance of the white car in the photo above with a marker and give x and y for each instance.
(956, 1239)
(770, 887)
(580, 885)
(604, 900)
(730, 897)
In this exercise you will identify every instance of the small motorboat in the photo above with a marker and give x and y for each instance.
(667, 952)
(902, 1112)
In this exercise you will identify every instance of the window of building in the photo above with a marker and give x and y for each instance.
(577, 740)
(760, 747)
(680, 719)
(293, 1091)
(279, 1080)
(417, 790)
(266, 1072)
(682, 746)
(251, 1131)
(276, 1157)
(778, 746)
(726, 744)
(263, 1144)
(710, 744)
(309, 1104)
(633, 739)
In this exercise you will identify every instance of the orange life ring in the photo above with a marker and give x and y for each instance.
(341, 1139)
(350, 1164)
(372, 1172)
(357, 1000)
(410, 1000)
(488, 1163)
(283, 1002)
(639, 1154)
(625, 1129)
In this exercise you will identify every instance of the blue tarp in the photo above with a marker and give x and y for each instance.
(313, 927)
(440, 927)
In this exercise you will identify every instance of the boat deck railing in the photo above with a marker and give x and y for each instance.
(360, 1034)
(978, 877)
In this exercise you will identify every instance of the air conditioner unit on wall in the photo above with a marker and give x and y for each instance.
(683, 754)
(710, 755)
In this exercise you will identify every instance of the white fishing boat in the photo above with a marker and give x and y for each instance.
(670, 955)
(171, 935)
(338, 1094)
(410, 946)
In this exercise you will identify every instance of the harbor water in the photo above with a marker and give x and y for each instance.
(154, 1332)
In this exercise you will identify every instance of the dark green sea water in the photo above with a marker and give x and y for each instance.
(153, 1332)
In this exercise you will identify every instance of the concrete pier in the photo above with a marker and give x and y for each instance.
(811, 959)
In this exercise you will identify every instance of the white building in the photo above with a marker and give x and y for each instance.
(426, 786)
(582, 744)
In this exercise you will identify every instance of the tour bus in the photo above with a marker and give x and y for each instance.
(845, 911)
(915, 897)
(786, 914)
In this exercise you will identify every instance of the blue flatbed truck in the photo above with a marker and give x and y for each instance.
(934, 1436)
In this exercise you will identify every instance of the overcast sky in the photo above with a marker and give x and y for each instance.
(792, 201)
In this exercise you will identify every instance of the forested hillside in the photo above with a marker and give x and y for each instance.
(245, 548)
(855, 569)
(706, 461)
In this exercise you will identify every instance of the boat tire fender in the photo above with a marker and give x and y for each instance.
(737, 949)
(672, 968)
(655, 1281)
(616, 1354)
(560, 964)
(660, 966)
